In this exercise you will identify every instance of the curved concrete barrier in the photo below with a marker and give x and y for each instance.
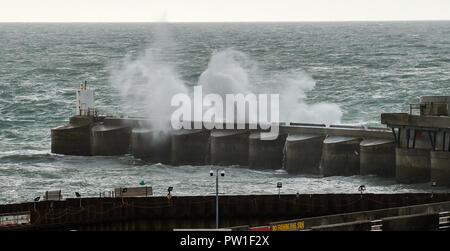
(265, 154)
(303, 153)
(151, 145)
(440, 168)
(72, 139)
(412, 165)
(110, 139)
(377, 156)
(340, 156)
(229, 147)
(190, 147)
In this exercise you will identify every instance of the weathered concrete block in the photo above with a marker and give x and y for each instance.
(151, 145)
(229, 147)
(83, 120)
(110, 139)
(440, 168)
(190, 147)
(265, 154)
(377, 156)
(340, 156)
(412, 165)
(71, 139)
(303, 153)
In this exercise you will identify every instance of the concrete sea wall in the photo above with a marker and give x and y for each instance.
(299, 148)
(187, 212)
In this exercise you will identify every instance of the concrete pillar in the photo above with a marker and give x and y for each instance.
(412, 165)
(303, 153)
(71, 139)
(190, 147)
(440, 168)
(340, 156)
(151, 145)
(110, 139)
(377, 156)
(229, 147)
(266, 154)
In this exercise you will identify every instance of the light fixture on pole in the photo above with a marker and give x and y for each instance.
(279, 186)
(222, 173)
(433, 185)
(362, 188)
(169, 196)
(78, 196)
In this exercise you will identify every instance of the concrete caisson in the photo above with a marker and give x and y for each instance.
(151, 145)
(190, 147)
(266, 154)
(71, 139)
(110, 139)
(229, 147)
(303, 153)
(340, 156)
(377, 156)
(440, 168)
(412, 165)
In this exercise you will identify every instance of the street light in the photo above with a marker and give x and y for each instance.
(433, 185)
(279, 185)
(222, 173)
(362, 188)
(169, 196)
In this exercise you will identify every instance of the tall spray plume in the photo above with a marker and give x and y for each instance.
(230, 72)
(147, 83)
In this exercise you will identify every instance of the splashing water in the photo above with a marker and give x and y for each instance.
(148, 82)
(231, 72)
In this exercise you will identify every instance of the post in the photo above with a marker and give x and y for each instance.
(217, 198)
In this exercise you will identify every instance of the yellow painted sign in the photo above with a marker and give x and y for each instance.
(289, 226)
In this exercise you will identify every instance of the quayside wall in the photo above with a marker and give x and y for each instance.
(191, 212)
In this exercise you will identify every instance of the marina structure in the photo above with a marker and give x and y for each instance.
(412, 148)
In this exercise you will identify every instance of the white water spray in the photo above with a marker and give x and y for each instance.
(231, 72)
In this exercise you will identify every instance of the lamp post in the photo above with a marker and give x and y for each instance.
(222, 173)
(169, 196)
(279, 186)
(433, 185)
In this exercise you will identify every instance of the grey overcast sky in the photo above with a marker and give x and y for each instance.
(220, 10)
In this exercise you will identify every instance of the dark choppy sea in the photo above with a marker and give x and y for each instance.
(346, 73)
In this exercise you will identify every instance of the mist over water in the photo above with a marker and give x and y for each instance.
(345, 73)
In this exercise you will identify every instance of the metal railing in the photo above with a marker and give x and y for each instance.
(414, 109)
(89, 112)
(376, 225)
(444, 221)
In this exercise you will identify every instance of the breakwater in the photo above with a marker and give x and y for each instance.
(299, 148)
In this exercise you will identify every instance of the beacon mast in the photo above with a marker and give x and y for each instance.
(85, 101)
